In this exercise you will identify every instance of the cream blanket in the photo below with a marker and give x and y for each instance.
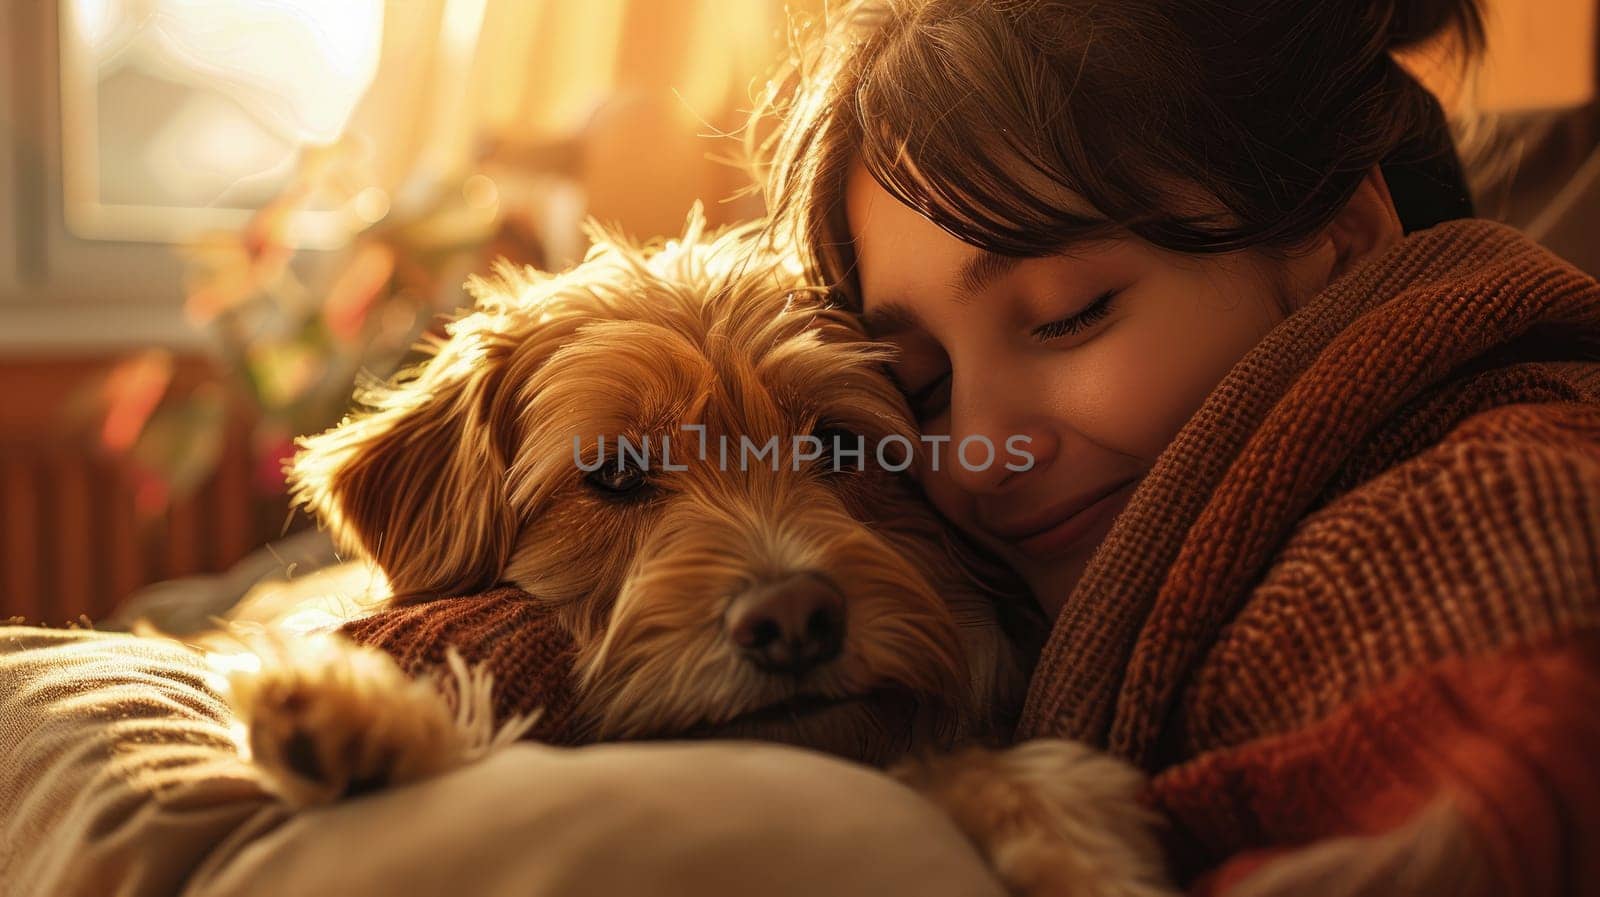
(119, 775)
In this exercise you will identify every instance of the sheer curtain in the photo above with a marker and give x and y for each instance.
(621, 99)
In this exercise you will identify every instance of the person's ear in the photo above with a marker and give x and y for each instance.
(1365, 226)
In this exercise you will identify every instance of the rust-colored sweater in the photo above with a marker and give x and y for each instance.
(1364, 582)
(504, 630)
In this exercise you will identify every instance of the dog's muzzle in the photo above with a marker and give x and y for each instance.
(790, 625)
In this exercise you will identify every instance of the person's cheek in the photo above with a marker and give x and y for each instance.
(1159, 366)
(955, 503)
(1116, 392)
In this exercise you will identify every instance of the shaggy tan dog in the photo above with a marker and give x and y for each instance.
(712, 589)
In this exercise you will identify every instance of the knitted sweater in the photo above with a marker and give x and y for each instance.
(503, 630)
(1364, 581)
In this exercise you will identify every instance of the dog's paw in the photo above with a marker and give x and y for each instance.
(327, 718)
(1053, 818)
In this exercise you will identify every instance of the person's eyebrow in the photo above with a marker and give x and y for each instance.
(980, 271)
(888, 319)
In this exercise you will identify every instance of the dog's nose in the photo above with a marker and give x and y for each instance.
(788, 625)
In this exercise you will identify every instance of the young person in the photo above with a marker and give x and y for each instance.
(1315, 505)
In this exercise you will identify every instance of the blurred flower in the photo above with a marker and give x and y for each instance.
(283, 372)
(224, 274)
(274, 448)
(131, 392)
(150, 494)
(228, 270)
(356, 291)
(182, 441)
(292, 339)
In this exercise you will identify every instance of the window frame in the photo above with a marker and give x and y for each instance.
(68, 295)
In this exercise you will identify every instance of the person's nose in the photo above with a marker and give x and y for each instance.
(997, 436)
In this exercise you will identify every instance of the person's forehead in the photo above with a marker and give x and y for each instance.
(896, 250)
(890, 226)
(861, 193)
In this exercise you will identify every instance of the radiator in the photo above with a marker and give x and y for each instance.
(73, 542)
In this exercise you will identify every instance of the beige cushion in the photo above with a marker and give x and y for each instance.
(119, 776)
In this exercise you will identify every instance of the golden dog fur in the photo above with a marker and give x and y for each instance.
(461, 474)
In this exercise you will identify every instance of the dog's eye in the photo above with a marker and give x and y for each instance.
(843, 450)
(617, 481)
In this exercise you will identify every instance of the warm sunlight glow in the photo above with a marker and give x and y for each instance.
(228, 663)
(300, 65)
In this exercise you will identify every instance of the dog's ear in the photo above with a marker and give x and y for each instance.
(417, 482)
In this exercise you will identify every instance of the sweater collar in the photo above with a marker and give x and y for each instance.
(1219, 502)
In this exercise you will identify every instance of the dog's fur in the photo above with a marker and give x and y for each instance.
(461, 475)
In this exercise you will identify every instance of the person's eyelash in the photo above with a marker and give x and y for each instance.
(1078, 322)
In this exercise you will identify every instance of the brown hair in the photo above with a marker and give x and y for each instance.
(1274, 109)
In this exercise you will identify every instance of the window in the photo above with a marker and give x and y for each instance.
(185, 115)
(130, 126)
